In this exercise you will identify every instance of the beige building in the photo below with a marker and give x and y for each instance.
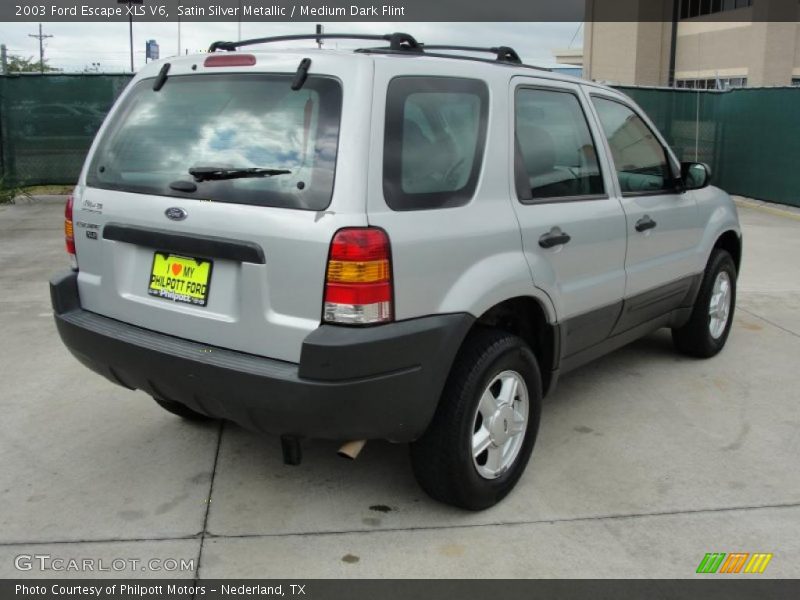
(714, 43)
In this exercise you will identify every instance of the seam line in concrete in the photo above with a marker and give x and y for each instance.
(511, 523)
(204, 532)
(102, 541)
(392, 530)
(752, 314)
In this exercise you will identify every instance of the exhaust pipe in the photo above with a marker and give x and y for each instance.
(292, 450)
(352, 449)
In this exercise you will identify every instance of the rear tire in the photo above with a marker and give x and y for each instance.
(706, 332)
(176, 408)
(482, 435)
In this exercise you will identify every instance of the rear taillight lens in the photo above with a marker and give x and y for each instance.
(69, 233)
(358, 282)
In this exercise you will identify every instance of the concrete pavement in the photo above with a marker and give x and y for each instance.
(646, 460)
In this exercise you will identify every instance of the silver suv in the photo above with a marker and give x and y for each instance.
(404, 243)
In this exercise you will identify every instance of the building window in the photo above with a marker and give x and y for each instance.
(735, 82)
(795, 81)
(719, 83)
(698, 8)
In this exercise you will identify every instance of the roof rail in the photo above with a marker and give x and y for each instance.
(424, 51)
(397, 41)
(503, 53)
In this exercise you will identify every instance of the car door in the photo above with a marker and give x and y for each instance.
(572, 223)
(662, 221)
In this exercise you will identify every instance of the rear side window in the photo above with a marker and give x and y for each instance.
(230, 122)
(434, 140)
(639, 158)
(555, 154)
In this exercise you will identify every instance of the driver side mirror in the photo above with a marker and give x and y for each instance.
(695, 175)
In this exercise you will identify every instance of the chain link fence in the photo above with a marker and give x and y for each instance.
(48, 122)
(750, 137)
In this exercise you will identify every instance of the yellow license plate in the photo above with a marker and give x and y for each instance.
(180, 279)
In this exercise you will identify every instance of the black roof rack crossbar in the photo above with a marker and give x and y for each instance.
(424, 51)
(503, 53)
(397, 41)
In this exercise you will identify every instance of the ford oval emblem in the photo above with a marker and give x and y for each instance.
(175, 213)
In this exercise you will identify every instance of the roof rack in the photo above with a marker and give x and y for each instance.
(503, 53)
(397, 41)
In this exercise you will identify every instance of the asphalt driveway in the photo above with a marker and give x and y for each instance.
(646, 460)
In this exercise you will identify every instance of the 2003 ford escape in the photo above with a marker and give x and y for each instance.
(393, 243)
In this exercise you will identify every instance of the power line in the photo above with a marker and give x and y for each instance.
(41, 37)
(575, 35)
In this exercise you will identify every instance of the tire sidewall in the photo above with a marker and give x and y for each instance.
(722, 261)
(515, 357)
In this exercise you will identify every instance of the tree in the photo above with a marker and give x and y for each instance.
(20, 64)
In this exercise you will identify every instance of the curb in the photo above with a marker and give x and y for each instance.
(39, 199)
(771, 208)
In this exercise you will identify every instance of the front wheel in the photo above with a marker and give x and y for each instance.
(481, 437)
(706, 332)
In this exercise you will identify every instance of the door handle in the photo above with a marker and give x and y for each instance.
(554, 237)
(645, 223)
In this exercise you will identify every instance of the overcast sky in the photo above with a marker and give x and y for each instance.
(74, 46)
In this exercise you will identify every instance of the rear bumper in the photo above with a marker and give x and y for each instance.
(370, 383)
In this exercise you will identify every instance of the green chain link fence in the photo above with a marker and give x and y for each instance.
(47, 123)
(750, 137)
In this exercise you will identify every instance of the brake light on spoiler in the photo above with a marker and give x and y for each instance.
(230, 60)
(358, 282)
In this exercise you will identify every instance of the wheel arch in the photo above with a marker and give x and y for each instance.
(526, 317)
(731, 242)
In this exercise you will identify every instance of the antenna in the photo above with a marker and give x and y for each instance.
(320, 31)
(41, 37)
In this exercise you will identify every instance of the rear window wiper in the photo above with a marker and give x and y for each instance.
(214, 173)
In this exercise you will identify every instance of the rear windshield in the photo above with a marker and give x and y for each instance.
(225, 123)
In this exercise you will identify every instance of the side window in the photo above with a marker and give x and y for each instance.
(640, 159)
(433, 142)
(555, 154)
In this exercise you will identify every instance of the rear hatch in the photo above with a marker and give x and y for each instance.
(206, 207)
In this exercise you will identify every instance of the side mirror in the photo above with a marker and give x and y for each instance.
(695, 175)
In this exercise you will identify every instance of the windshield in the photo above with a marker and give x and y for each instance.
(225, 122)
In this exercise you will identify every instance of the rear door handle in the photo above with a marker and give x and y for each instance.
(645, 223)
(554, 237)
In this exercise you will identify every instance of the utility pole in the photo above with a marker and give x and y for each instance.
(130, 35)
(3, 59)
(130, 22)
(41, 37)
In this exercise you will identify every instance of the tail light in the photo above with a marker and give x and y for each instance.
(69, 233)
(358, 282)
